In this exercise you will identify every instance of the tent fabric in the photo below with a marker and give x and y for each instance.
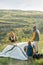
(15, 51)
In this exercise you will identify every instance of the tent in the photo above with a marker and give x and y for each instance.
(15, 51)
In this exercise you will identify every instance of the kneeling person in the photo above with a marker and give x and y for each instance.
(12, 37)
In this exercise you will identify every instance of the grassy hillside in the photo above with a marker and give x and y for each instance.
(21, 22)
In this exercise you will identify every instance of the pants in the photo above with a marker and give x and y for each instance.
(35, 45)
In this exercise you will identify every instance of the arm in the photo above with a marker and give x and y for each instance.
(33, 37)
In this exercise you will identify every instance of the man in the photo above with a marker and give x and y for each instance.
(35, 39)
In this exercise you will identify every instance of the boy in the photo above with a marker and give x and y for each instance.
(29, 51)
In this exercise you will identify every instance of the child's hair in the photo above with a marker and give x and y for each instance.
(29, 42)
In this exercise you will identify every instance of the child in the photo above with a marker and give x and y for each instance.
(29, 51)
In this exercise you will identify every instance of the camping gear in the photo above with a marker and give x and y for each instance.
(15, 51)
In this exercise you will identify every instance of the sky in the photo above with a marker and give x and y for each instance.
(22, 4)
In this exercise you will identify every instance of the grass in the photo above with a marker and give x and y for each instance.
(9, 61)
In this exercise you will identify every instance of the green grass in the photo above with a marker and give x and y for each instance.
(9, 61)
(20, 22)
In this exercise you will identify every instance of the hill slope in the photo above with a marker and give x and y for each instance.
(21, 22)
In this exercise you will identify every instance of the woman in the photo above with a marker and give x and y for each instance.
(12, 36)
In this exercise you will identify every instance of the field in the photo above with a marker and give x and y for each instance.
(21, 23)
(9, 61)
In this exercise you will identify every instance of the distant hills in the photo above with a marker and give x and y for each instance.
(20, 21)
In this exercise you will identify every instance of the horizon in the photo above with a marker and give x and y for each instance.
(21, 10)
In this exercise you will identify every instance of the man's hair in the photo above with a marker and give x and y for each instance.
(34, 27)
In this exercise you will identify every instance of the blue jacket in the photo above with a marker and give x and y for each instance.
(29, 50)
